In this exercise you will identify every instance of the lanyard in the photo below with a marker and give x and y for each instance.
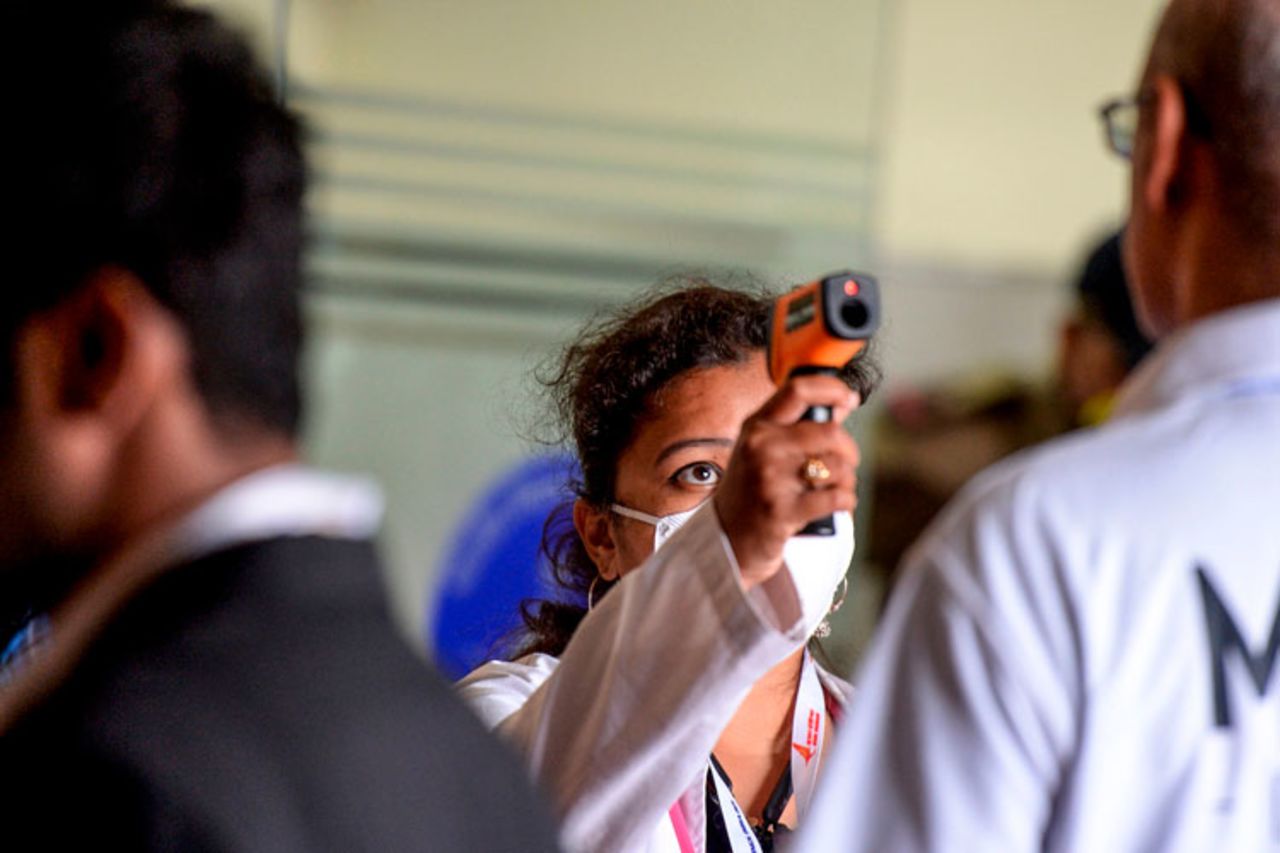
(741, 838)
(22, 646)
(808, 731)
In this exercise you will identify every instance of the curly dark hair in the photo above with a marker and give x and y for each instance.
(602, 387)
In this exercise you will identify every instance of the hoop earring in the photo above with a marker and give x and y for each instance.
(824, 627)
(591, 593)
(840, 596)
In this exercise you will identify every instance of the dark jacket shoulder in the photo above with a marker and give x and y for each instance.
(260, 699)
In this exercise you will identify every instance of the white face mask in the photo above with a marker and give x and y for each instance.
(817, 563)
(663, 525)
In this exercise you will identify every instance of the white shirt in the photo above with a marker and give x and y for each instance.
(1046, 675)
(654, 673)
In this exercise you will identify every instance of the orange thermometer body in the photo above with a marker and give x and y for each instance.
(820, 327)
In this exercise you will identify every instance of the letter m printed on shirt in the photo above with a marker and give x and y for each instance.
(1225, 637)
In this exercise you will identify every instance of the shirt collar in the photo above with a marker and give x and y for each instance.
(1228, 349)
(284, 500)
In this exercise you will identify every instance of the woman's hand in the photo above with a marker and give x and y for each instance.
(764, 498)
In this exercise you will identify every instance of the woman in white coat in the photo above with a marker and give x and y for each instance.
(679, 709)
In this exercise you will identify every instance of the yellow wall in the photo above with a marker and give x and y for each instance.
(993, 151)
(710, 62)
(992, 155)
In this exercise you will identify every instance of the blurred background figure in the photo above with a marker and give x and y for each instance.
(930, 440)
(1100, 342)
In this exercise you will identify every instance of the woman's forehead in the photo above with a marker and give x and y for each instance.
(704, 404)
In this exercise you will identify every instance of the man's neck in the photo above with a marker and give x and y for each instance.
(123, 565)
(164, 484)
(1222, 271)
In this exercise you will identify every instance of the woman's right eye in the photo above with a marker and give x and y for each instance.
(700, 474)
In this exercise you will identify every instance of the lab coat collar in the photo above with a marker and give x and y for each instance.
(1208, 358)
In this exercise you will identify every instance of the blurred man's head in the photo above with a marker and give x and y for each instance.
(149, 324)
(1205, 192)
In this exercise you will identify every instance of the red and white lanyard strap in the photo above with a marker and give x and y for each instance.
(808, 729)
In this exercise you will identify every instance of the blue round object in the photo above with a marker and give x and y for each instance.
(493, 563)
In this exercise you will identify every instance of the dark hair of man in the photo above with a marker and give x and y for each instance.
(603, 387)
(149, 140)
(1226, 54)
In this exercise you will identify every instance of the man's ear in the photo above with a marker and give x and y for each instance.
(595, 531)
(1167, 154)
(102, 354)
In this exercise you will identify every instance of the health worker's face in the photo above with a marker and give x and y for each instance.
(677, 457)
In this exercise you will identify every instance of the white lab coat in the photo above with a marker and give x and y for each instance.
(1054, 672)
(621, 728)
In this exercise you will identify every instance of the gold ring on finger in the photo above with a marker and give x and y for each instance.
(815, 472)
